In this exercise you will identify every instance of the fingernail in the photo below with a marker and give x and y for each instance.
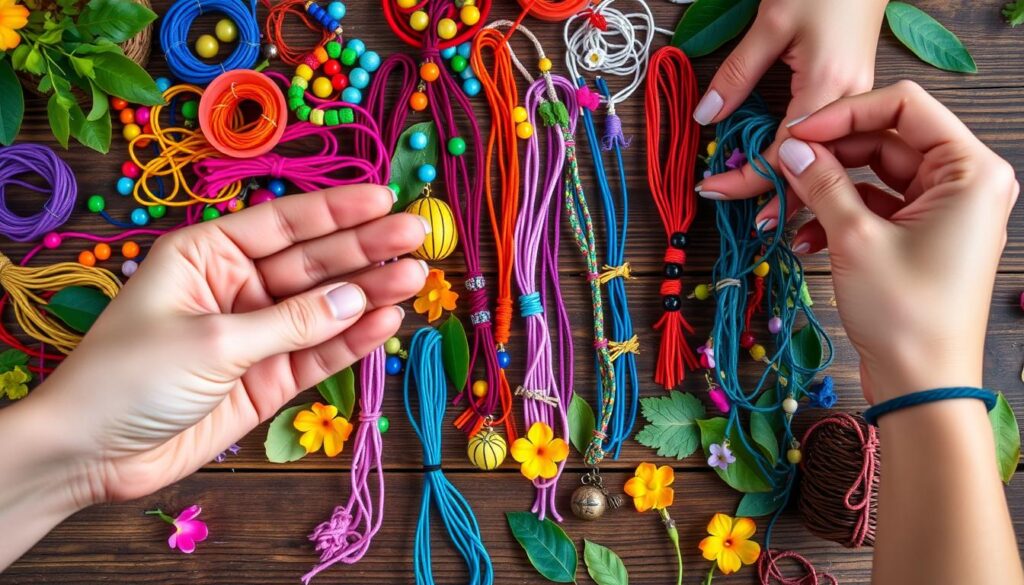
(401, 312)
(426, 224)
(802, 248)
(346, 301)
(766, 224)
(394, 195)
(424, 267)
(796, 155)
(796, 121)
(713, 195)
(698, 186)
(708, 108)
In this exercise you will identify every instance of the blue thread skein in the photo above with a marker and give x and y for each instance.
(184, 64)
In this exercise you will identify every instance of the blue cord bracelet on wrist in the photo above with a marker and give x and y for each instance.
(917, 398)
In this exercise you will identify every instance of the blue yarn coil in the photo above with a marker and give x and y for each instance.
(426, 372)
(185, 65)
(530, 305)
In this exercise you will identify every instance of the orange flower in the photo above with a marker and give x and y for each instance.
(321, 426)
(436, 295)
(650, 488)
(539, 452)
(730, 544)
(12, 18)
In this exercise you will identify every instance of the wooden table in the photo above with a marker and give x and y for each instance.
(259, 513)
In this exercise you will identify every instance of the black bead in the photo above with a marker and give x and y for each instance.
(673, 270)
(671, 302)
(678, 240)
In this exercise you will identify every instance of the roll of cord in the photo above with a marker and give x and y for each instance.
(36, 159)
(183, 63)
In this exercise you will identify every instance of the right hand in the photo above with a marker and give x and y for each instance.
(913, 275)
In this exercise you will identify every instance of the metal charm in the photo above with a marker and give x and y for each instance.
(591, 500)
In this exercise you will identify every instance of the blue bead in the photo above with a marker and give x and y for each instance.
(140, 216)
(163, 84)
(426, 173)
(358, 78)
(351, 95)
(336, 10)
(471, 87)
(448, 53)
(125, 186)
(504, 360)
(465, 49)
(277, 187)
(417, 141)
(393, 365)
(467, 73)
(370, 61)
(358, 46)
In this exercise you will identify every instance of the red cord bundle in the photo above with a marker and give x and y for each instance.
(671, 179)
(273, 29)
(553, 10)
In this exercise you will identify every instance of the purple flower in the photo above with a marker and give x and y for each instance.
(736, 159)
(232, 450)
(721, 457)
(707, 356)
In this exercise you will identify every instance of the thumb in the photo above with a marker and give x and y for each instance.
(822, 183)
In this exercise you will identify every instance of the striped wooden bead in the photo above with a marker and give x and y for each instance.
(443, 237)
(487, 450)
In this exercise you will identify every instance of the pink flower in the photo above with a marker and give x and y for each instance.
(719, 399)
(188, 530)
(721, 456)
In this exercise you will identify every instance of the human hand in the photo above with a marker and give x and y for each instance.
(913, 275)
(223, 323)
(830, 47)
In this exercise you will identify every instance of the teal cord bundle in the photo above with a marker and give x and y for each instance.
(426, 372)
(184, 64)
(743, 247)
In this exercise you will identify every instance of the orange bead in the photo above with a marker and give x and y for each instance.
(127, 116)
(118, 103)
(321, 54)
(418, 101)
(130, 249)
(101, 251)
(86, 258)
(429, 72)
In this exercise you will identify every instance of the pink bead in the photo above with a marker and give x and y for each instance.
(774, 325)
(130, 169)
(51, 240)
(719, 399)
(129, 267)
(142, 116)
(261, 196)
(705, 362)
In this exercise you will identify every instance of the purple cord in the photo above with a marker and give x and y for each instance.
(29, 158)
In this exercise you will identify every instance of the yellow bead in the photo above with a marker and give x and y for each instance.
(524, 130)
(761, 270)
(487, 449)
(207, 47)
(544, 65)
(702, 292)
(447, 29)
(757, 352)
(322, 87)
(407, 4)
(226, 30)
(419, 20)
(443, 237)
(519, 114)
(480, 388)
(130, 131)
(794, 456)
(712, 148)
(317, 117)
(304, 71)
(469, 15)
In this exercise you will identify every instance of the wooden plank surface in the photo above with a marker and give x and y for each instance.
(260, 513)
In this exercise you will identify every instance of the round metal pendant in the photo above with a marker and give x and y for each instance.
(589, 502)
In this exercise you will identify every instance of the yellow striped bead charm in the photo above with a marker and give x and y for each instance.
(487, 449)
(443, 237)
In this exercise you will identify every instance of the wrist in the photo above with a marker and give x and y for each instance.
(907, 374)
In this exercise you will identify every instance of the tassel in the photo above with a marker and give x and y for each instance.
(675, 355)
(613, 133)
(547, 114)
(587, 98)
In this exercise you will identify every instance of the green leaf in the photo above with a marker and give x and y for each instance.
(12, 104)
(929, 40)
(406, 161)
(455, 351)
(581, 423)
(19, 55)
(605, 567)
(673, 424)
(282, 444)
(742, 475)
(340, 390)
(100, 103)
(754, 505)
(547, 546)
(121, 77)
(83, 66)
(60, 120)
(1014, 13)
(116, 20)
(34, 62)
(92, 133)
(709, 24)
(1007, 437)
(77, 306)
(766, 426)
(11, 359)
(807, 353)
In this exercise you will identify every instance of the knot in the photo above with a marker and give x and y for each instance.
(332, 536)
(610, 272)
(675, 256)
(617, 349)
(613, 136)
(530, 305)
(369, 417)
(277, 165)
(671, 286)
(601, 343)
(596, 19)
(537, 394)
(431, 467)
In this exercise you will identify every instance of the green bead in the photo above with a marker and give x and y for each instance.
(333, 49)
(332, 118)
(394, 345)
(395, 188)
(295, 102)
(96, 203)
(190, 109)
(349, 57)
(157, 211)
(383, 424)
(456, 146)
(295, 91)
(210, 213)
(300, 82)
(348, 115)
(303, 112)
(459, 63)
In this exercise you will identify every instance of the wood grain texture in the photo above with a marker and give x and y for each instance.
(259, 515)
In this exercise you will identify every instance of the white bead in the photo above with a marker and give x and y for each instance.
(789, 405)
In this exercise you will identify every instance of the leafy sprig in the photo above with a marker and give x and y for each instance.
(1014, 13)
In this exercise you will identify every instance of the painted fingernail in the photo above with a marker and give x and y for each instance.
(796, 155)
(401, 312)
(425, 267)
(802, 248)
(708, 108)
(766, 224)
(713, 195)
(698, 186)
(346, 301)
(796, 121)
(426, 224)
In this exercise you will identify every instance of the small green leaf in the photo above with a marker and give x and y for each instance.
(11, 359)
(282, 444)
(807, 352)
(12, 104)
(1007, 437)
(115, 20)
(121, 77)
(83, 66)
(60, 120)
(340, 390)
(455, 351)
(92, 133)
(406, 161)
(709, 24)
(581, 423)
(1014, 13)
(547, 546)
(605, 567)
(19, 55)
(100, 103)
(766, 426)
(742, 475)
(754, 505)
(34, 62)
(77, 306)
(673, 424)
(925, 37)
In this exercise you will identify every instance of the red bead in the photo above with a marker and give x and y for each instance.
(332, 67)
(704, 362)
(339, 81)
(747, 340)
(118, 104)
(130, 170)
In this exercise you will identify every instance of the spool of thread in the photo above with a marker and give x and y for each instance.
(35, 159)
(221, 104)
(184, 64)
(839, 484)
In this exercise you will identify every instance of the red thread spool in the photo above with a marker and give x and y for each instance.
(219, 106)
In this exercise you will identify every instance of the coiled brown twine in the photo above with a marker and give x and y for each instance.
(839, 483)
(24, 286)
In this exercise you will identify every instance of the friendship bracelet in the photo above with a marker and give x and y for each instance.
(174, 29)
(925, 396)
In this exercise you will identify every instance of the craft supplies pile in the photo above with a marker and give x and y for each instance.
(484, 131)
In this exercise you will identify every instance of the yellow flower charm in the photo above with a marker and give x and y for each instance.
(436, 295)
(14, 383)
(539, 452)
(650, 487)
(12, 17)
(730, 544)
(321, 426)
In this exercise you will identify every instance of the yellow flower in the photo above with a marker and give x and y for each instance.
(14, 383)
(12, 18)
(321, 425)
(436, 295)
(650, 488)
(730, 544)
(539, 452)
